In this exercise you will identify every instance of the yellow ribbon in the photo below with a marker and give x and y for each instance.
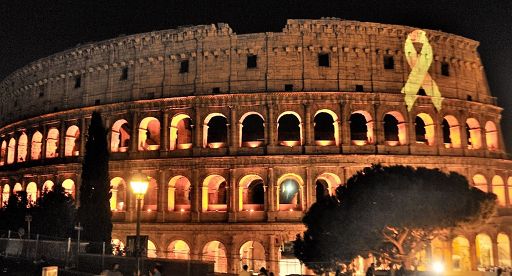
(419, 76)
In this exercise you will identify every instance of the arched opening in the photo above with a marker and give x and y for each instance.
(11, 148)
(252, 193)
(503, 250)
(215, 251)
(69, 187)
(321, 189)
(47, 186)
(215, 131)
(252, 254)
(498, 188)
(325, 185)
(72, 143)
(252, 130)
(120, 136)
(484, 251)
(451, 132)
(215, 196)
(480, 182)
(424, 129)
(178, 196)
(361, 128)
(149, 134)
(6, 192)
(181, 132)
(118, 190)
(22, 147)
(473, 133)
(31, 192)
(491, 136)
(289, 129)
(290, 193)
(394, 129)
(152, 252)
(326, 128)
(52, 143)
(36, 146)
(17, 188)
(461, 260)
(178, 249)
(3, 152)
(150, 199)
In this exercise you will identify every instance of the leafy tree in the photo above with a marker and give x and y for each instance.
(12, 217)
(94, 212)
(392, 212)
(54, 214)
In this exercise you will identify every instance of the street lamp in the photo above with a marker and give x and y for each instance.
(139, 184)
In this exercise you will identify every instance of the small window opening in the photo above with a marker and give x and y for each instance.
(78, 81)
(469, 98)
(445, 69)
(15, 103)
(323, 60)
(421, 92)
(41, 94)
(359, 88)
(288, 87)
(252, 61)
(216, 90)
(389, 62)
(97, 102)
(55, 109)
(150, 95)
(184, 66)
(124, 74)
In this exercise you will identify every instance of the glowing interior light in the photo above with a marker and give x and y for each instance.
(216, 145)
(185, 146)
(438, 267)
(324, 143)
(182, 210)
(149, 210)
(252, 210)
(253, 144)
(359, 142)
(290, 143)
(291, 210)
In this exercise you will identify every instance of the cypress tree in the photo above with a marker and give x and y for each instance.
(94, 213)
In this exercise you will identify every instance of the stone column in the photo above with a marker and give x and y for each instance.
(29, 148)
(495, 252)
(195, 204)
(62, 139)
(271, 125)
(472, 253)
(164, 132)
(198, 142)
(43, 143)
(309, 188)
(233, 197)
(134, 139)
(162, 195)
(83, 131)
(273, 254)
(309, 129)
(345, 126)
(233, 131)
(271, 191)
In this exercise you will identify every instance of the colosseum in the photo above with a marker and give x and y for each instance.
(240, 133)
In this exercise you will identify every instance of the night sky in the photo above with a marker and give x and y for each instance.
(34, 29)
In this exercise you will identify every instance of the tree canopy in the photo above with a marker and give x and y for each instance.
(392, 212)
(94, 212)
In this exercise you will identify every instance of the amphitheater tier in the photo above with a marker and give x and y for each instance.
(241, 134)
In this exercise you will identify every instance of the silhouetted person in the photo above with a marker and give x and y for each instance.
(263, 272)
(371, 270)
(244, 271)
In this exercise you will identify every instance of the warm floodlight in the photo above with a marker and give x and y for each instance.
(438, 267)
(139, 184)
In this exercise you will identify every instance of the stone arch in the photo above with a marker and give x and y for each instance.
(394, 129)
(17, 188)
(6, 193)
(325, 184)
(252, 130)
(22, 147)
(178, 249)
(118, 198)
(149, 134)
(180, 132)
(178, 196)
(31, 190)
(461, 258)
(72, 143)
(451, 132)
(251, 193)
(424, 129)
(215, 131)
(252, 254)
(480, 182)
(290, 192)
(151, 197)
(326, 128)
(491, 136)
(11, 149)
(120, 136)
(361, 128)
(215, 196)
(503, 243)
(36, 146)
(152, 249)
(3, 152)
(215, 251)
(483, 245)
(474, 133)
(52, 143)
(498, 188)
(69, 187)
(47, 186)
(289, 129)
(509, 187)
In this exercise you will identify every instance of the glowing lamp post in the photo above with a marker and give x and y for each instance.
(139, 184)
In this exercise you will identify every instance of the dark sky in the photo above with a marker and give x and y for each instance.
(33, 29)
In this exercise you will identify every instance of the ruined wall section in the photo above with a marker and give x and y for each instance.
(217, 63)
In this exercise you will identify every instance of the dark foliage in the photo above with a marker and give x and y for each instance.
(392, 212)
(94, 212)
(54, 214)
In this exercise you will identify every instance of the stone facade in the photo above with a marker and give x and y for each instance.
(218, 119)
